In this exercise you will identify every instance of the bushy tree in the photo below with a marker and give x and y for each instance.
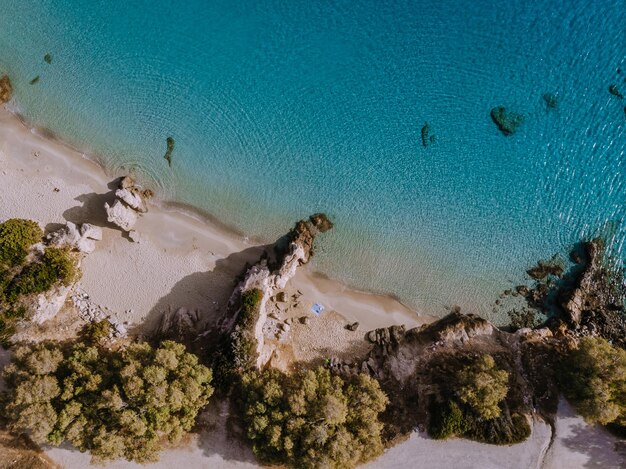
(482, 386)
(16, 236)
(55, 266)
(313, 419)
(593, 378)
(113, 404)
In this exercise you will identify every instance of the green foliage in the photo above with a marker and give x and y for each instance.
(313, 419)
(446, 420)
(449, 420)
(236, 352)
(482, 386)
(16, 236)
(593, 378)
(56, 265)
(96, 332)
(113, 404)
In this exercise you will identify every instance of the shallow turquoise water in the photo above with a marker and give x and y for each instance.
(281, 109)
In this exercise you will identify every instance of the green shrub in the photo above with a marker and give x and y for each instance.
(450, 419)
(593, 378)
(16, 236)
(56, 266)
(446, 420)
(120, 404)
(312, 419)
(236, 352)
(96, 332)
(482, 386)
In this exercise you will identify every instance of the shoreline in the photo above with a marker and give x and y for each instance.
(190, 230)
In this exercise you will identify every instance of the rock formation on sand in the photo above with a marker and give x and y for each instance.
(6, 90)
(270, 275)
(82, 239)
(507, 121)
(130, 200)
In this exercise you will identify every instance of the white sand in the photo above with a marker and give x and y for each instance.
(578, 444)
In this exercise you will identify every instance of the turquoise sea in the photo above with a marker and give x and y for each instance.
(284, 108)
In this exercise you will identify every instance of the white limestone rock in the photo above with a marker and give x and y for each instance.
(47, 305)
(83, 239)
(133, 198)
(90, 231)
(121, 215)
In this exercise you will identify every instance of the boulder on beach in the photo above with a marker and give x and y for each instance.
(82, 239)
(507, 121)
(6, 90)
(121, 215)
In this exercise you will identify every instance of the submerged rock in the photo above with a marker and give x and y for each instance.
(47, 58)
(6, 90)
(34, 80)
(614, 90)
(543, 269)
(552, 100)
(428, 138)
(507, 121)
(170, 149)
(121, 215)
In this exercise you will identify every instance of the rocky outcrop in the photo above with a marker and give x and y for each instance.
(47, 305)
(130, 201)
(181, 324)
(6, 90)
(594, 305)
(507, 121)
(82, 239)
(121, 215)
(271, 275)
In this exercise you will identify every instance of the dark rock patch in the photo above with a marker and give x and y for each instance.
(6, 90)
(614, 90)
(170, 149)
(507, 121)
(428, 138)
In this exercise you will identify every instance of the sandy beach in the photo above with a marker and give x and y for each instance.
(185, 260)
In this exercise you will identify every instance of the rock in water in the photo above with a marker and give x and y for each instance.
(614, 90)
(34, 80)
(507, 121)
(552, 100)
(47, 58)
(170, 149)
(121, 215)
(428, 138)
(6, 90)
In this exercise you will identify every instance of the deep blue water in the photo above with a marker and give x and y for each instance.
(280, 109)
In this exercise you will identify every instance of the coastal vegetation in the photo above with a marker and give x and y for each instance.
(21, 276)
(473, 406)
(593, 378)
(236, 351)
(16, 236)
(482, 386)
(312, 419)
(113, 404)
